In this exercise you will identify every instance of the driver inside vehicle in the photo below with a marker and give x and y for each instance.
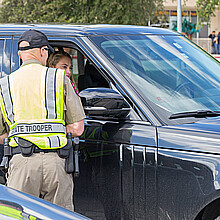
(62, 60)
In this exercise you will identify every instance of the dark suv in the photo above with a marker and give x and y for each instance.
(151, 146)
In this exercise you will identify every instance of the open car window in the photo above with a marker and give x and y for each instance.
(85, 74)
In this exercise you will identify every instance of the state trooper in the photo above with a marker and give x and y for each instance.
(38, 108)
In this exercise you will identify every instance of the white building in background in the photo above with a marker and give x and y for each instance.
(189, 12)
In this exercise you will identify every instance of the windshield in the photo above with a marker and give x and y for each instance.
(169, 71)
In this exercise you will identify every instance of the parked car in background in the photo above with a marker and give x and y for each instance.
(151, 145)
(18, 205)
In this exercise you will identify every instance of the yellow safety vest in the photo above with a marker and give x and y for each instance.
(15, 213)
(32, 105)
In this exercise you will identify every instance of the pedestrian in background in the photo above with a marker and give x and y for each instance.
(218, 43)
(38, 107)
(212, 36)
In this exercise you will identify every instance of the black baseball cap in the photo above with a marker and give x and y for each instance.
(35, 38)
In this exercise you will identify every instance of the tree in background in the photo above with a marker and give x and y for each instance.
(12, 11)
(188, 28)
(141, 12)
(32, 11)
(206, 9)
(122, 11)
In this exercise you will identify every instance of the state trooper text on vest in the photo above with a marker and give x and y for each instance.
(36, 128)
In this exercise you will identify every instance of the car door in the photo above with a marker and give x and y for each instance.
(120, 171)
(123, 170)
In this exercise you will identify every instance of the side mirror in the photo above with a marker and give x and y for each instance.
(104, 102)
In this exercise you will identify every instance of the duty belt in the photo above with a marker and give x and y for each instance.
(17, 150)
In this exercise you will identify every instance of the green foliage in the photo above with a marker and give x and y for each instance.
(187, 27)
(206, 9)
(80, 11)
(31, 11)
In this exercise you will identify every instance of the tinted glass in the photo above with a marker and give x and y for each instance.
(168, 71)
(5, 61)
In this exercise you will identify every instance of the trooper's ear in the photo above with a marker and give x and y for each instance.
(19, 54)
(42, 51)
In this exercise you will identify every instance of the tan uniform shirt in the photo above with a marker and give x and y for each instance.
(73, 110)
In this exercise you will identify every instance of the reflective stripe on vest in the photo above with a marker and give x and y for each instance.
(50, 93)
(37, 128)
(54, 141)
(6, 98)
(42, 122)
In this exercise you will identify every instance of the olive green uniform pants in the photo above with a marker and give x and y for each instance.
(42, 175)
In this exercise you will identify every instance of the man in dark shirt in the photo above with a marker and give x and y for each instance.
(214, 45)
(218, 43)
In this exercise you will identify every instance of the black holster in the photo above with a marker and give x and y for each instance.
(26, 147)
(67, 153)
(7, 156)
